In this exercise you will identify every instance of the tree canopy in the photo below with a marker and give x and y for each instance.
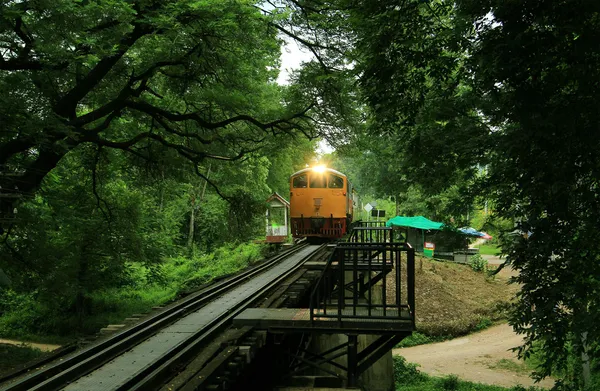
(107, 108)
(497, 98)
(190, 78)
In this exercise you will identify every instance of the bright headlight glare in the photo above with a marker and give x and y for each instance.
(320, 169)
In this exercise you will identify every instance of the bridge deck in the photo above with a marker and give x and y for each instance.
(116, 373)
(298, 319)
(375, 266)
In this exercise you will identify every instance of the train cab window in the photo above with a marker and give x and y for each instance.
(336, 182)
(300, 181)
(318, 181)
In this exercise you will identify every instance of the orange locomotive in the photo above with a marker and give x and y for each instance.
(321, 203)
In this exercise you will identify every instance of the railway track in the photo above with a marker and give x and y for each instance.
(144, 356)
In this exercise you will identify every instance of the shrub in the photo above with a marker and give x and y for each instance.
(13, 356)
(421, 339)
(450, 383)
(24, 316)
(521, 388)
(413, 340)
(483, 324)
(477, 263)
(405, 372)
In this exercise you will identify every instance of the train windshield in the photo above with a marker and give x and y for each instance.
(335, 182)
(318, 181)
(300, 181)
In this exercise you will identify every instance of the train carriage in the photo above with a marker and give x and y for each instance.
(320, 203)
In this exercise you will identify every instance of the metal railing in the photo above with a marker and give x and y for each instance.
(361, 223)
(353, 284)
(371, 235)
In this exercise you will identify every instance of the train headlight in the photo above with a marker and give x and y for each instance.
(319, 169)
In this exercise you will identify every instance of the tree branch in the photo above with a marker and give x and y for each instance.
(184, 134)
(66, 106)
(217, 190)
(153, 111)
(108, 216)
(12, 147)
(19, 64)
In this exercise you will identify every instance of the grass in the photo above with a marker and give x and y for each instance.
(12, 357)
(407, 377)
(422, 339)
(26, 318)
(512, 366)
(489, 249)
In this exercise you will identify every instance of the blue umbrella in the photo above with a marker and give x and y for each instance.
(471, 232)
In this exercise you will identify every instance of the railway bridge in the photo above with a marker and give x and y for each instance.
(312, 316)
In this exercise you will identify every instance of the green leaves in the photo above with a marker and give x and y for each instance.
(455, 87)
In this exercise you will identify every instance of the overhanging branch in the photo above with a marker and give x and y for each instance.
(175, 117)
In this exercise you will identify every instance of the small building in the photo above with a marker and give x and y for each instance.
(443, 241)
(277, 217)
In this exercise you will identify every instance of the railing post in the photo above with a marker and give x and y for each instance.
(341, 285)
(352, 360)
(398, 280)
(355, 282)
(410, 279)
(383, 281)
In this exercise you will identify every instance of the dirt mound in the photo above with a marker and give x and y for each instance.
(452, 299)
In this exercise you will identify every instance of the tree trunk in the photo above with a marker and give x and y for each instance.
(205, 182)
(192, 222)
(80, 299)
(162, 190)
(193, 210)
(585, 361)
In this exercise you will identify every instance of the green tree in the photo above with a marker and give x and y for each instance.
(144, 76)
(131, 129)
(510, 86)
(536, 69)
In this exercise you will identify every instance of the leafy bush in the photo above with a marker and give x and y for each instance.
(477, 263)
(421, 339)
(521, 388)
(20, 313)
(24, 316)
(405, 372)
(414, 340)
(450, 383)
(12, 356)
(483, 324)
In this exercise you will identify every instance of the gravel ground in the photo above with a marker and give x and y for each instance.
(473, 358)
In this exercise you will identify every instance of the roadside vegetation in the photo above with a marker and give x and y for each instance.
(27, 317)
(12, 356)
(488, 249)
(408, 378)
(454, 300)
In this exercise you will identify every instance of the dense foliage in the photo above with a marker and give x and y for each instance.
(496, 99)
(138, 131)
(135, 133)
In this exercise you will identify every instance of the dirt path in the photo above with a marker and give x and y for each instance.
(473, 358)
(44, 347)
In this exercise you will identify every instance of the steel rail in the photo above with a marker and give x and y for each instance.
(156, 374)
(84, 362)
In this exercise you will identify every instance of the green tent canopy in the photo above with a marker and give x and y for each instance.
(419, 222)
